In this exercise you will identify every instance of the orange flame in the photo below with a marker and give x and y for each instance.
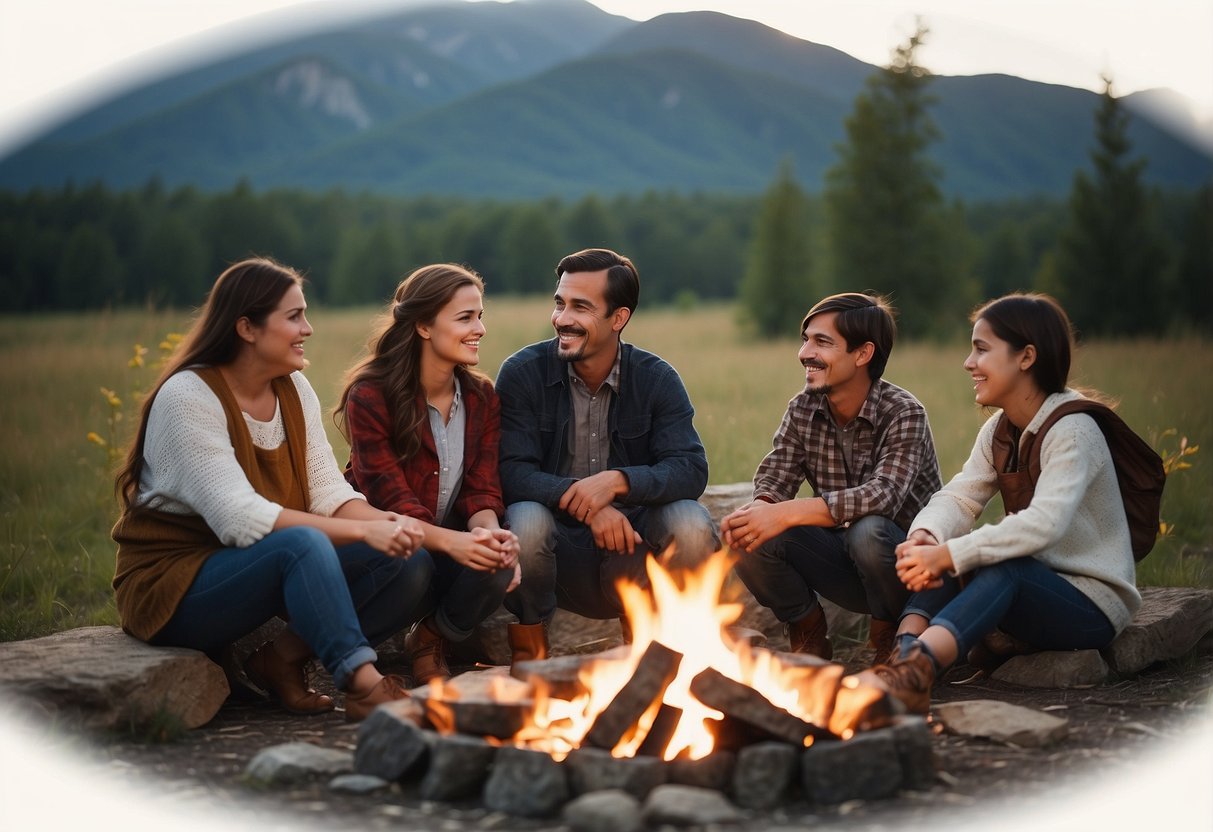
(683, 611)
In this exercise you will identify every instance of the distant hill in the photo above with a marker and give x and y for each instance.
(542, 97)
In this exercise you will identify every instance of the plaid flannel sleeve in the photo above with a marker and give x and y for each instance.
(374, 468)
(781, 471)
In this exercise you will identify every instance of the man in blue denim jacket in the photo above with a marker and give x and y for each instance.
(600, 461)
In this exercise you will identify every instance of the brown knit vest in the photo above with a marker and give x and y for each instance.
(160, 553)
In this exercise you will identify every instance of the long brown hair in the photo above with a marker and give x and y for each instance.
(250, 289)
(393, 362)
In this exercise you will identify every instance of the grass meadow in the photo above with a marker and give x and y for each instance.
(57, 506)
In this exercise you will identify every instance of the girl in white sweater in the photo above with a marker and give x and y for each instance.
(1057, 575)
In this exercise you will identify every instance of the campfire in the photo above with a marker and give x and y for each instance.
(683, 688)
(687, 703)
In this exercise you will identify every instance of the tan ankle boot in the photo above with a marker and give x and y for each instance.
(811, 635)
(528, 641)
(359, 706)
(285, 681)
(906, 679)
(426, 649)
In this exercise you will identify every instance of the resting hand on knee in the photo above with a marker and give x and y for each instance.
(613, 531)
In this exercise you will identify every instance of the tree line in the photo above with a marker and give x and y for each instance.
(1124, 259)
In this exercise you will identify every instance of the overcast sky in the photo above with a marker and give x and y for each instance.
(56, 55)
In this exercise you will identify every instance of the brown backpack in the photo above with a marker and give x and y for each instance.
(1139, 469)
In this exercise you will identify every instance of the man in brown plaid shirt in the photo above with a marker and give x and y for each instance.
(865, 447)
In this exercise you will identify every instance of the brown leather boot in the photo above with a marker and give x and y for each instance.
(907, 679)
(427, 649)
(994, 649)
(388, 689)
(285, 681)
(881, 636)
(811, 635)
(527, 642)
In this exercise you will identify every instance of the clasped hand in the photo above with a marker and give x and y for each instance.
(590, 500)
(399, 535)
(485, 549)
(922, 561)
(753, 524)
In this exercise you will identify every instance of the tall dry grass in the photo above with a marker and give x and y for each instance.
(56, 502)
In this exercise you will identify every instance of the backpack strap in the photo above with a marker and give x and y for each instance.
(1139, 469)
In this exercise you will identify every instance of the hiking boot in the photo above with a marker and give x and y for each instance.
(388, 689)
(907, 679)
(810, 635)
(881, 637)
(426, 648)
(285, 681)
(527, 642)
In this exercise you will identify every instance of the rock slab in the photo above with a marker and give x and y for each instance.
(1002, 722)
(1170, 622)
(110, 681)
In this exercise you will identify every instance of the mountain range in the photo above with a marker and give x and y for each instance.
(557, 97)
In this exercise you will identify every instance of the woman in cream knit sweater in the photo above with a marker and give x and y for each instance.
(234, 510)
(1057, 575)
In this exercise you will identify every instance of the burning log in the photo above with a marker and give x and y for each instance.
(743, 703)
(661, 733)
(658, 667)
(484, 703)
(562, 674)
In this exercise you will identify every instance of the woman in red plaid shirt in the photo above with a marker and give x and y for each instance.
(423, 427)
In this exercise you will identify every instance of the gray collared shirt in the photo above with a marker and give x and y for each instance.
(448, 441)
(590, 440)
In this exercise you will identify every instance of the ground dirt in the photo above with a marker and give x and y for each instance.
(1110, 726)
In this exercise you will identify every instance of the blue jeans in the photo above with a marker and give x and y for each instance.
(561, 566)
(339, 601)
(1022, 597)
(853, 567)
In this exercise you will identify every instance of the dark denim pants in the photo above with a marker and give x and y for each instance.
(561, 566)
(853, 567)
(1022, 597)
(340, 601)
(463, 597)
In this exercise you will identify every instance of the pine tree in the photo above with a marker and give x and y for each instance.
(1110, 259)
(777, 288)
(889, 227)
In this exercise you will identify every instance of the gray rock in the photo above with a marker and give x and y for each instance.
(1054, 669)
(104, 679)
(764, 773)
(357, 784)
(1170, 623)
(912, 736)
(392, 746)
(1002, 722)
(714, 771)
(678, 805)
(295, 761)
(865, 767)
(525, 783)
(593, 769)
(720, 500)
(458, 767)
(613, 810)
